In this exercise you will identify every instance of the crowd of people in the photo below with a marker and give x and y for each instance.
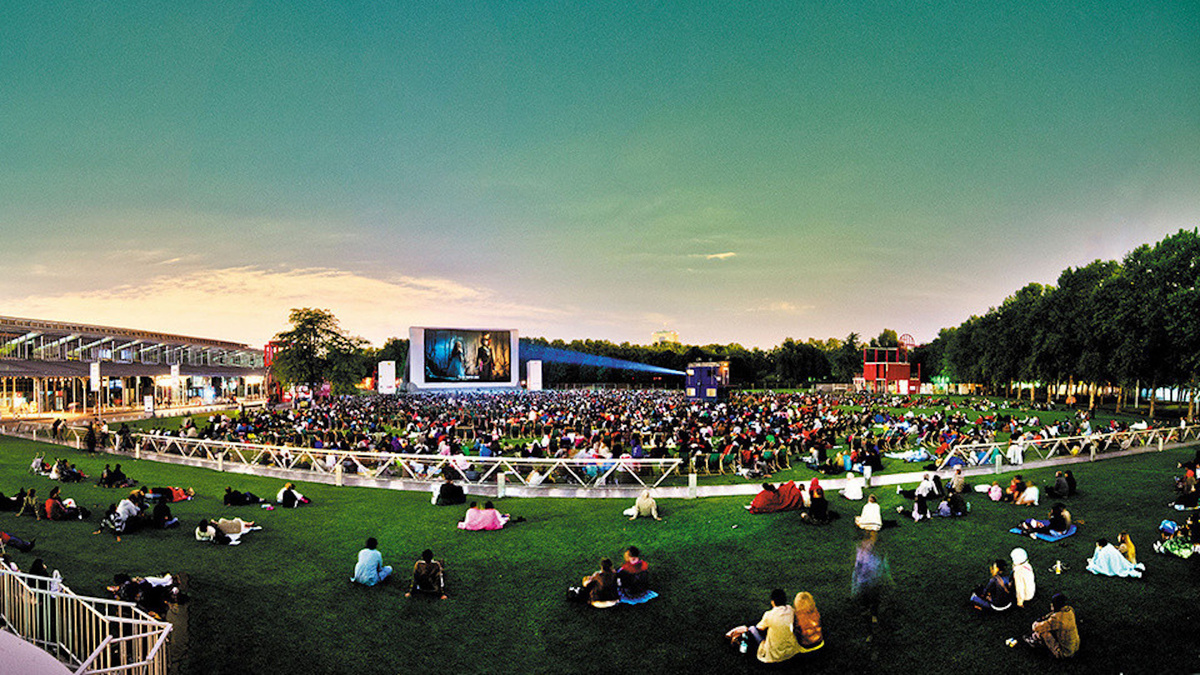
(831, 433)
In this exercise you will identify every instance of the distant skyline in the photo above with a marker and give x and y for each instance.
(735, 172)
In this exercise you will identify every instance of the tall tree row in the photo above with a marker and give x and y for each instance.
(1105, 326)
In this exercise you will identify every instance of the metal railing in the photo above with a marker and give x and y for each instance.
(324, 465)
(93, 635)
(1091, 444)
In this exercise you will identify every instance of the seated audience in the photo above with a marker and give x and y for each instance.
(112, 522)
(854, 487)
(162, 518)
(30, 504)
(370, 570)
(289, 497)
(1028, 496)
(808, 623)
(1056, 631)
(997, 592)
(1109, 562)
(428, 577)
(633, 579)
(56, 508)
(645, 506)
(486, 518)
(600, 589)
(786, 497)
(870, 518)
(448, 493)
(773, 638)
(1024, 585)
(1060, 489)
(1126, 547)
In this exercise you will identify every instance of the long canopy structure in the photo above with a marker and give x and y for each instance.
(46, 366)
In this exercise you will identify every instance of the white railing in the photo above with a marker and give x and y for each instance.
(323, 465)
(1091, 445)
(93, 635)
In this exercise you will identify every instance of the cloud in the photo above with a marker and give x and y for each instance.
(714, 256)
(781, 307)
(248, 304)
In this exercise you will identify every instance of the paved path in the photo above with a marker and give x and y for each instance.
(22, 658)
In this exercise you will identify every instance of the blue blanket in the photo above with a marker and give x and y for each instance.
(645, 597)
(1049, 537)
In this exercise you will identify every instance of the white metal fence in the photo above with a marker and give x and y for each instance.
(93, 635)
(1091, 445)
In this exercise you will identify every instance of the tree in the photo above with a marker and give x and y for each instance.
(316, 350)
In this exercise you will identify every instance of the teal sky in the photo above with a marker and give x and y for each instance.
(738, 172)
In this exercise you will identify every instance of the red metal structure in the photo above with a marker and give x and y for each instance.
(886, 369)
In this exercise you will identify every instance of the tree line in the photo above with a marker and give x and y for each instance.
(1106, 326)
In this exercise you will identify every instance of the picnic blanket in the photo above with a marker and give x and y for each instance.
(632, 600)
(1049, 537)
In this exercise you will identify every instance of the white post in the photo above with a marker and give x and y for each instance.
(221, 461)
(999, 460)
(501, 482)
(337, 474)
(691, 493)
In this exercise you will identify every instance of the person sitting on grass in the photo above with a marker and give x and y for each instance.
(290, 498)
(1126, 547)
(854, 487)
(1028, 497)
(818, 512)
(1108, 561)
(30, 505)
(645, 506)
(57, 508)
(487, 518)
(600, 589)
(773, 638)
(1024, 585)
(1059, 490)
(370, 570)
(997, 592)
(162, 518)
(236, 498)
(633, 579)
(808, 623)
(1056, 631)
(448, 493)
(132, 511)
(16, 542)
(112, 522)
(429, 577)
(114, 478)
(870, 519)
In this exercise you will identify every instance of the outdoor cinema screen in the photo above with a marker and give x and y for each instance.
(462, 357)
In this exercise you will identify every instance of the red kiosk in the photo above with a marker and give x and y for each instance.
(887, 370)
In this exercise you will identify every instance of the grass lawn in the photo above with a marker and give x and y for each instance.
(281, 603)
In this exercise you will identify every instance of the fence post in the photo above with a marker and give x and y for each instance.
(1160, 443)
(221, 461)
(691, 491)
(999, 460)
(337, 475)
(501, 482)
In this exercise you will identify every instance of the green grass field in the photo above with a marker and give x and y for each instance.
(281, 603)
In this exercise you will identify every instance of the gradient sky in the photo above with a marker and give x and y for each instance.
(738, 172)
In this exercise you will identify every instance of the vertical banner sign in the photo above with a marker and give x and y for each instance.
(96, 376)
(175, 375)
(533, 375)
(387, 377)
(148, 402)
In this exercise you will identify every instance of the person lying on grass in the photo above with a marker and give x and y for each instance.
(167, 494)
(151, 594)
(7, 540)
(14, 502)
(224, 531)
(236, 498)
(1058, 523)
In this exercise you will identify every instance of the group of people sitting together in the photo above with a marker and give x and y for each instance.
(629, 584)
(428, 574)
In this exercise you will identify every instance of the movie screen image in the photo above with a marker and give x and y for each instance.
(467, 356)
